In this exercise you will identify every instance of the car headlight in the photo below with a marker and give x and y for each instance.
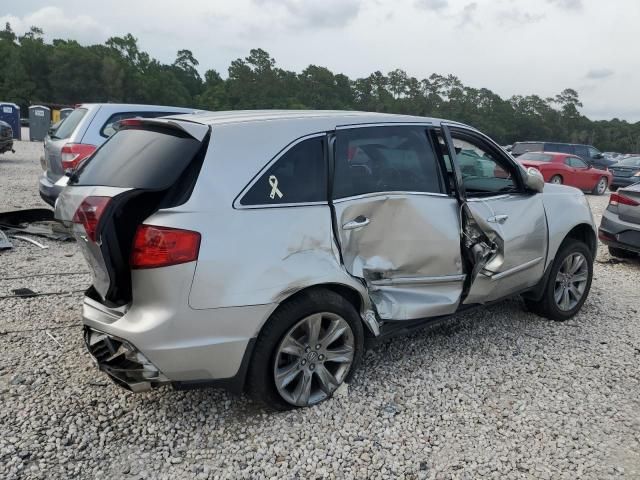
(637, 174)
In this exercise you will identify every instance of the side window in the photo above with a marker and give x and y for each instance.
(107, 129)
(298, 176)
(582, 151)
(575, 162)
(558, 148)
(483, 170)
(385, 159)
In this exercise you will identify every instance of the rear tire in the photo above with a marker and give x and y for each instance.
(565, 282)
(601, 186)
(288, 330)
(621, 253)
(557, 179)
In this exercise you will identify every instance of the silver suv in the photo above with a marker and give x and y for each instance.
(262, 250)
(81, 133)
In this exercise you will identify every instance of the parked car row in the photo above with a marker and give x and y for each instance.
(591, 155)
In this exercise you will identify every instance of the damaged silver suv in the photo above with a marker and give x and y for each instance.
(262, 250)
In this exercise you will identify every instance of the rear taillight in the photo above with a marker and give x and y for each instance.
(88, 214)
(74, 153)
(617, 199)
(161, 246)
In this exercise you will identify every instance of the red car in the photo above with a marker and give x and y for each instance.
(567, 169)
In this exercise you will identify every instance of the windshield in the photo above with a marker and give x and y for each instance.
(536, 157)
(630, 162)
(69, 124)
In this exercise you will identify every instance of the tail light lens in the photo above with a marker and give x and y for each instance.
(617, 199)
(88, 214)
(74, 153)
(161, 247)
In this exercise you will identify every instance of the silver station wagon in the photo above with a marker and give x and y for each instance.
(262, 250)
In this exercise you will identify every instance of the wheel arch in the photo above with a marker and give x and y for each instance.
(586, 234)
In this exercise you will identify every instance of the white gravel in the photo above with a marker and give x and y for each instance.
(496, 393)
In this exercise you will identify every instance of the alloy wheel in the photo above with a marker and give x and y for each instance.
(571, 281)
(602, 186)
(313, 358)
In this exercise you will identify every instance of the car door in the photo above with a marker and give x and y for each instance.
(396, 224)
(582, 177)
(513, 253)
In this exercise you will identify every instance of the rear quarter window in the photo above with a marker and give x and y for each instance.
(70, 123)
(150, 159)
(536, 157)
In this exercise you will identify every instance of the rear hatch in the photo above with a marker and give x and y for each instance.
(147, 165)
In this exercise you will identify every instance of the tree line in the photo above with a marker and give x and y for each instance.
(66, 72)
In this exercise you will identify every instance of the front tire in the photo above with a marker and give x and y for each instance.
(568, 284)
(307, 349)
(557, 179)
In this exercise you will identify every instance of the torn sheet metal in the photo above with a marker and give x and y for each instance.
(34, 221)
(5, 244)
(407, 250)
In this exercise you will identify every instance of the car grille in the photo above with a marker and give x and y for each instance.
(621, 173)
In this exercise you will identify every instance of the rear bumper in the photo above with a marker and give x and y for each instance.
(188, 347)
(618, 233)
(49, 191)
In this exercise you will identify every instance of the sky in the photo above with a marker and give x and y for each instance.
(512, 47)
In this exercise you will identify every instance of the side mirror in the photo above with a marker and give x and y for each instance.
(598, 156)
(534, 180)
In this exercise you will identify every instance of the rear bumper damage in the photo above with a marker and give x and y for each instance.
(123, 362)
(617, 233)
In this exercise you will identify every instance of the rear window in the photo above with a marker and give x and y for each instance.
(70, 123)
(536, 157)
(520, 148)
(108, 128)
(133, 158)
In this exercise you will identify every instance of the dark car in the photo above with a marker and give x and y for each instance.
(620, 226)
(589, 154)
(6, 137)
(625, 172)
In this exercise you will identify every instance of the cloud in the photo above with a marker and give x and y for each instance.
(315, 14)
(57, 24)
(599, 73)
(467, 16)
(519, 17)
(432, 5)
(567, 4)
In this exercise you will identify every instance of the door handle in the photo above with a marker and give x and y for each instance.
(358, 222)
(498, 219)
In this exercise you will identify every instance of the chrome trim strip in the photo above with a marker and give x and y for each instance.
(392, 282)
(389, 194)
(405, 123)
(514, 270)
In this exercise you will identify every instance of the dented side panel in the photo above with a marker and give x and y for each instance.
(408, 253)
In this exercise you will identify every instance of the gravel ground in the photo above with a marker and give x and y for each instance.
(496, 393)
